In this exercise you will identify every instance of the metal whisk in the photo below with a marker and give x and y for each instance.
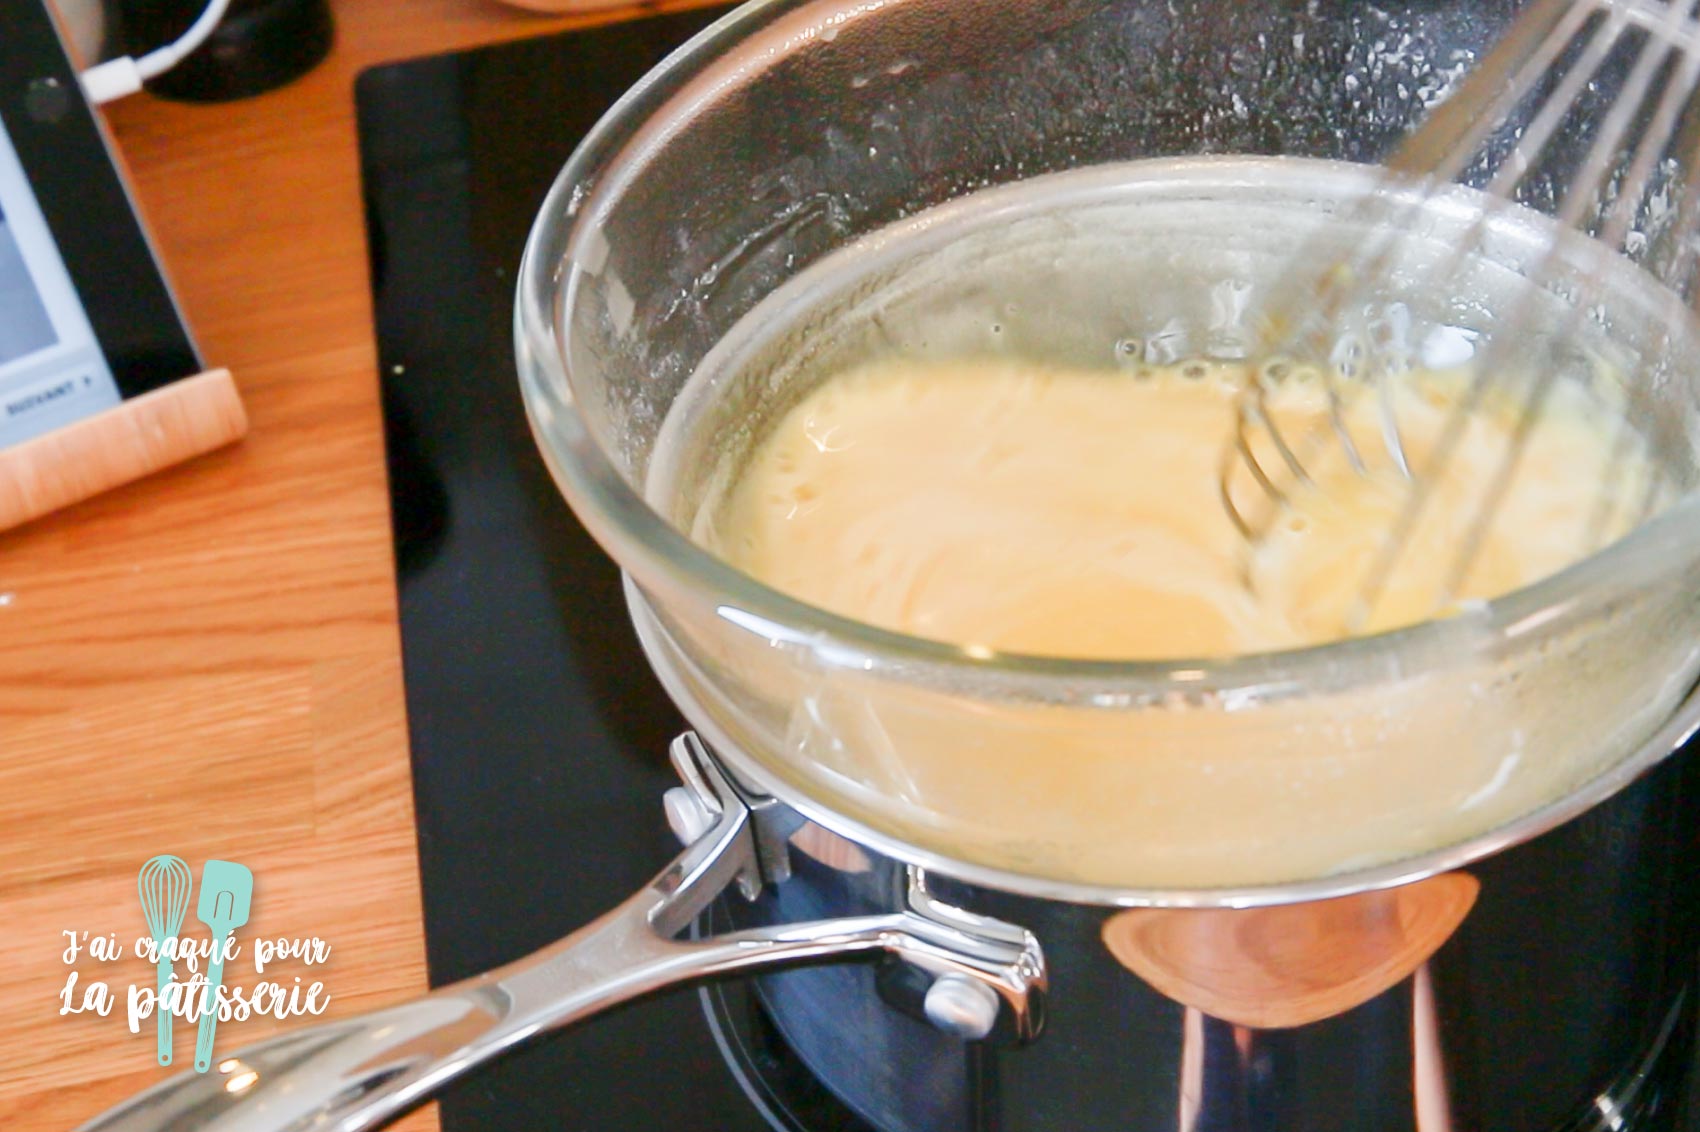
(1618, 74)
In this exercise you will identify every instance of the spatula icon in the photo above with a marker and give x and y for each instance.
(227, 892)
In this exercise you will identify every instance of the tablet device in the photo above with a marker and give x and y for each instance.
(85, 315)
(87, 322)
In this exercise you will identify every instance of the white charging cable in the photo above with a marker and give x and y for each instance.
(123, 76)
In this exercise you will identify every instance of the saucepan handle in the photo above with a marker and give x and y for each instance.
(363, 1072)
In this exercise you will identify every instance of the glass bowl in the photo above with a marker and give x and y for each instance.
(794, 129)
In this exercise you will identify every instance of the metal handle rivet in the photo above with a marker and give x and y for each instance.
(963, 1006)
(687, 816)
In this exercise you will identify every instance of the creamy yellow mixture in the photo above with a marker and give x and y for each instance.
(1011, 507)
(1015, 507)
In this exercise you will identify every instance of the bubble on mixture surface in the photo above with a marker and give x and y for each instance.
(1347, 357)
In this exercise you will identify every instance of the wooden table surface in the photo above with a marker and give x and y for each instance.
(207, 663)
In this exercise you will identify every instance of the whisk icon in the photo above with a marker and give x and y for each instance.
(163, 885)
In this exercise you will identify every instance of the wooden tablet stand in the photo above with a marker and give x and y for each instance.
(126, 442)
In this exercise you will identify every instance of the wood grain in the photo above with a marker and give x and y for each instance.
(133, 439)
(206, 661)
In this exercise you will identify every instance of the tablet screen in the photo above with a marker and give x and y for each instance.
(52, 370)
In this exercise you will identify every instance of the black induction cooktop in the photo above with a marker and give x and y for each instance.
(539, 735)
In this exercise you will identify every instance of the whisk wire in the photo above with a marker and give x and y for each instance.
(1554, 59)
(1438, 153)
(1490, 91)
(1619, 214)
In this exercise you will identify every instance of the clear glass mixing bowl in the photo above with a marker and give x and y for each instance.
(795, 128)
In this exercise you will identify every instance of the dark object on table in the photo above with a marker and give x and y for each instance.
(259, 45)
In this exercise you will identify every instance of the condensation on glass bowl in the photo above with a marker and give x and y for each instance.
(1078, 82)
(1140, 80)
